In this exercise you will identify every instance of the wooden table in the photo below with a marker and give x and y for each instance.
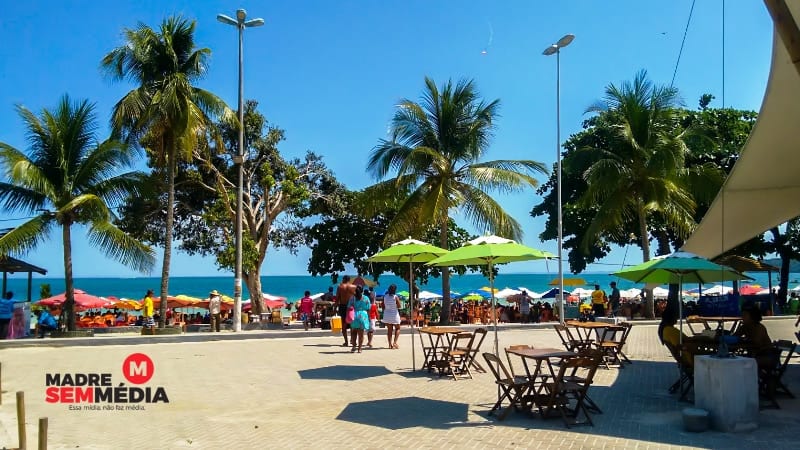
(439, 338)
(540, 355)
(585, 329)
(719, 320)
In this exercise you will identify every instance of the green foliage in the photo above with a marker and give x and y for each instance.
(64, 178)
(44, 291)
(714, 140)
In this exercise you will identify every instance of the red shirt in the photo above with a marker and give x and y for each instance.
(306, 305)
(373, 311)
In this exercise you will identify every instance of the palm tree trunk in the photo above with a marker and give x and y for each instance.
(649, 304)
(446, 301)
(162, 309)
(69, 303)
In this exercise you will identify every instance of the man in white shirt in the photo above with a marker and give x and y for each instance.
(214, 307)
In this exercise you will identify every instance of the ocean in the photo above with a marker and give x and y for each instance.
(292, 287)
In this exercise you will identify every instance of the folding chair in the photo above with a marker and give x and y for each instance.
(508, 357)
(789, 347)
(515, 391)
(607, 343)
(569, 342)
(574, 377)
(479, 336)
(427, 351)
(559, 395)
(457, 358)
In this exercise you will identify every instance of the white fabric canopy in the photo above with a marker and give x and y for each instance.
(717, 290)
(507, 292)
(763, 188)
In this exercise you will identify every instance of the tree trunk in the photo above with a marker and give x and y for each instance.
(663, 243)
(783, 250)
(649, 304)
(254, 288)
(69, 303)
(446, 300)
(162, 309)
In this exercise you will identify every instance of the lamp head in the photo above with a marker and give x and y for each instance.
(254, 23)
(550, 50)
(241, 14)
(226, 20)
(565, 41)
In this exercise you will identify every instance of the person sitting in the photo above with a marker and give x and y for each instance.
(675, 339)
(46, 323)
(755, 338)
(586, 313)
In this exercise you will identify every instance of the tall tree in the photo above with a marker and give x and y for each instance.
(278, 194)
(641, 173)
(434, 153)
(165, 113)
(67, 178)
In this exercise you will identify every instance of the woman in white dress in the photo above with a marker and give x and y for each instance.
(391, 315)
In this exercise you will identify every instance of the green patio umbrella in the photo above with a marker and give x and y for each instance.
(675, 269)
(410, 251)
(488, 251)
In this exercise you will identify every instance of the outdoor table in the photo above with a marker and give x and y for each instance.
(585, 329)
(439, 338)
(719, 320)
(540, 355)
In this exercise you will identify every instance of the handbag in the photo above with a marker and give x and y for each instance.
(351, 315)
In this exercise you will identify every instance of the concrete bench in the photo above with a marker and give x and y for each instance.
(198, 327)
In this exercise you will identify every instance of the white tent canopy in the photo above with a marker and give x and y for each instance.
(660, 292)
(507, 292)
(717, 290)
(581, 292)
(763, 188)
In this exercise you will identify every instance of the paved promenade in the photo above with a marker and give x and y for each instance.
(272, 389)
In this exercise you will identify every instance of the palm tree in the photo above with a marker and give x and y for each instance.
(165, 113)
(641, 172)
(67, 178)
(435, 153)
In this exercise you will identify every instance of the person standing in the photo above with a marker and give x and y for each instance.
(614, 299)
(373, 320)
(344, 293)
(524, 307)
(306, 309)
(6, 313)
(598, 301)
(214, 308)
(391, 315)
(360, 305)
(147, 312)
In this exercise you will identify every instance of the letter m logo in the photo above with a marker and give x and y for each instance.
(138, 368)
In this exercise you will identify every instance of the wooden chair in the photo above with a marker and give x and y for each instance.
(508, 358)
(427, 351)
(479, 337)
(685, 382)
(609, 343)
(457, 357)
(511, 389)
(789, 347)
(561, 393)
(569, 342)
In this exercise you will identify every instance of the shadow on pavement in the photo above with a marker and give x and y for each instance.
(638, 406)
(343, 373)
(416, 412)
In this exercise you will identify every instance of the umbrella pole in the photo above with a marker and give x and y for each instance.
(411, 312)
(494, 308)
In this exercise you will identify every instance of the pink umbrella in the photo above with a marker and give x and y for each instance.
(82, 300)
(273, 301)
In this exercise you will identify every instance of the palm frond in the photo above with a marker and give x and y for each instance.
(120, 246)
(26, 236)
(487, 214)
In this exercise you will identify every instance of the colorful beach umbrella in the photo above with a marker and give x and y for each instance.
(82, 300)
(488, 251)
(409, 251)
(569, 282)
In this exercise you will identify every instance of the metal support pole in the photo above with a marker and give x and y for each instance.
(237, 282)
(563, 311)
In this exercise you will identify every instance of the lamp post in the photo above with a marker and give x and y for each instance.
(556, 49)
(240, 23)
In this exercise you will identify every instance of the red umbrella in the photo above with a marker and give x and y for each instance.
(82, 300)
(749, 289)
(273, 301)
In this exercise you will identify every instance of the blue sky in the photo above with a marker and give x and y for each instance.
(330, 72)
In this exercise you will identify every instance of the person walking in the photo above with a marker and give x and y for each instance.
(306, 309)
(524, 307)
(344, 292)
(598, 301)
(147, 312)
(391, 315)
(360, 305)
(214, 308)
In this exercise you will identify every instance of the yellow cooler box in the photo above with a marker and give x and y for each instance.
(336, 324)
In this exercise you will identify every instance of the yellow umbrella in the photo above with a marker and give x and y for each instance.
(490, 290)
(124, 303)
(570, 282)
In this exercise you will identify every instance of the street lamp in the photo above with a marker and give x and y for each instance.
(556, 48)
(240, 24)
